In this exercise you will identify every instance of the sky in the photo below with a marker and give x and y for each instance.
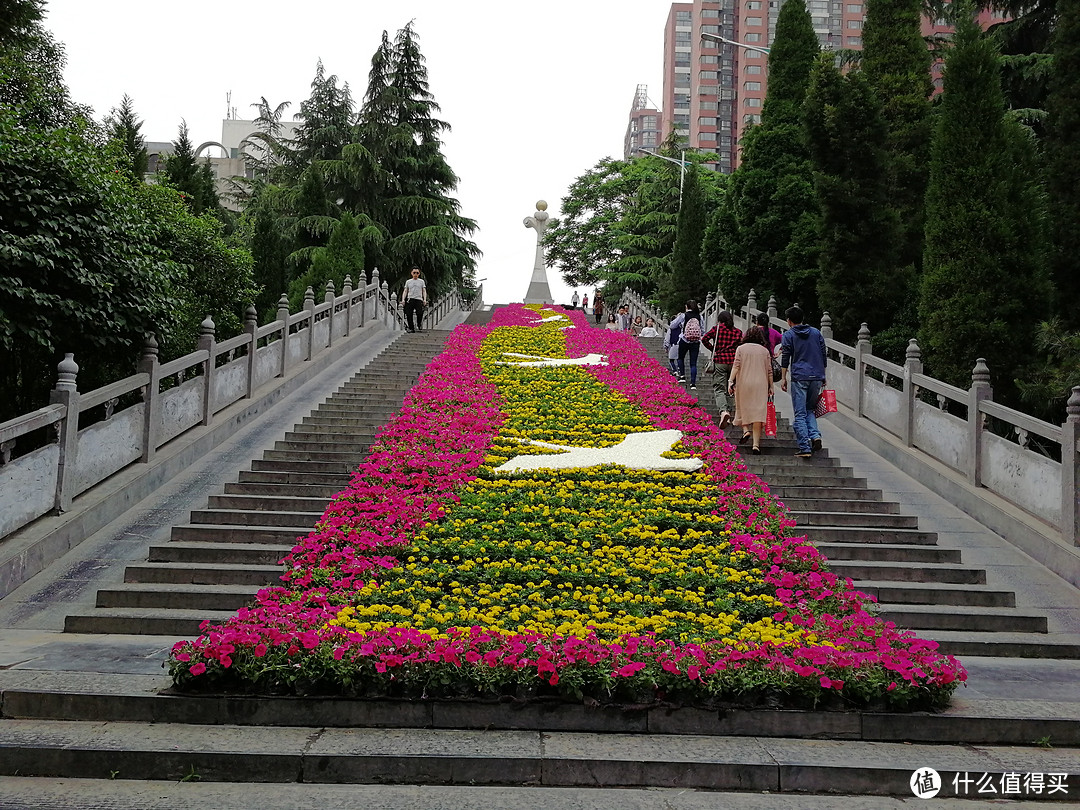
(536, 93)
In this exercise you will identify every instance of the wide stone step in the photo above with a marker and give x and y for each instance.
(243, 554)
(932, 593)
(863, 519)
(334, 431)
(316, 446)
(294, 477)
(825, 493)
(239, 517)
(774, 461)
(321, 491)
(219, 533)
(140, 622)
(835, 505)
(268, 503)
(204, 574)
(968, 618)
(177, 597)
(878, 570)
(810, 477)
(292, 465)
(1005, 644)
(888, 552)
(854, 534)
(167, 751)
(340, 423)
(350, 458)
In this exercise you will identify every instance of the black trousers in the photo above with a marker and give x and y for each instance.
(414, 306)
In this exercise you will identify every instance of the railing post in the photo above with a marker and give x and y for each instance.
(1070, 470)
(206, 343)
(980, 391)
(751, 307)
(148, 364)
(309, 308)
(283, 316)
(384, 293)
(826, 325)
(772, 306)
(251, 326)
(375, 286)
(66, 393)
(347, 292)
(912, 365)
(328, 298)
(862, 347)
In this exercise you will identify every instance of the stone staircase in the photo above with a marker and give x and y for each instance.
(69, 732)
(918, 583)
(217, 561)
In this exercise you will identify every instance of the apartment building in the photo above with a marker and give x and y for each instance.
(643, 128)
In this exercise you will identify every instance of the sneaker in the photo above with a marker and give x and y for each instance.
(815, 446)
(693, 387)
(801, 454)
(725, 419)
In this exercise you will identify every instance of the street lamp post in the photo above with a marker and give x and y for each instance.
(681, 164)
(719, 38)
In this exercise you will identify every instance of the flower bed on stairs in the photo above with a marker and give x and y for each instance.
(577, 529)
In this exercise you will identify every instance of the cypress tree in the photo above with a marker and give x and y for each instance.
(792, 55)
(896, 63)
(1063, 147)
(194, 182)
(126, 129)
(984, 281)
(860, 246)
(686, 279)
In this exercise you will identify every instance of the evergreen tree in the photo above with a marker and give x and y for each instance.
(1063, 147)
(183, 173)
(860, 246)
(985, 281)
(686, 279)
(126, 129)
(32, 68)
(896, 63)
(792, 55)
(342, 256)
(269, 254)
(327, 119)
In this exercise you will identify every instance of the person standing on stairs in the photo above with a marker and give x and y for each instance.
(803, 357)
(752, 368)
(690, 342)
(722, 340)
(598, 308)
(414, 297)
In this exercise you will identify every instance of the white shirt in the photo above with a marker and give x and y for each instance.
(415, 288)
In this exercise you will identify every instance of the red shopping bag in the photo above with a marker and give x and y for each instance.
(770, 418)
(826, 403)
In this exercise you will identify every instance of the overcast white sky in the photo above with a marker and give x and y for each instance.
(536, 92)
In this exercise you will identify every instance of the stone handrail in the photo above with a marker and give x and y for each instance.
(1009, 467)
(637, 305)
(173, 398)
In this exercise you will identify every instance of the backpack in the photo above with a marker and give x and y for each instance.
(691, 332)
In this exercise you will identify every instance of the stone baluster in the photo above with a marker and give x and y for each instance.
(347, 291)
(826, 326)
(66, 393)
(1070, 470)
(863, 347)
(980, 391)
(251, 326)
(148, 364)
(772, 310)
(207, 343)
(388, 314)
(751, 307)
(309, 308)
(912, 365)
(283, 316)
(375, 286)
(328, 298)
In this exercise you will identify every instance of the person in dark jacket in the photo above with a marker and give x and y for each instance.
(803, 358)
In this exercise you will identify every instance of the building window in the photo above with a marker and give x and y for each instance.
(753, 20)
(752, 86)
(709, 59)
(751, 119)
(749, 54)
(854, 9)
(682, 36)
(753, 5)
(710, 29)
(752, 69)
(706, 136)
(727, 92)
(707, 105)
(854, 23)
(710, 12)
(707, 75)
(723, 125)
(682, 79)
(751, 102)
(854, 42)
(682, 16)
(682, 120)
(752, 37)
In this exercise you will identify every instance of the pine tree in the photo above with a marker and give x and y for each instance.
(327, 119)
(792, 55)
(985, 282)
(860, 277)
(1063, 147)
(686, 279)
(126, 129)
(896, 63)
(342, 256)
(183, 172)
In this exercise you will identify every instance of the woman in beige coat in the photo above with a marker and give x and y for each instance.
(753, 371)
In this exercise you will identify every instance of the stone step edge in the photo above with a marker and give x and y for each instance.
(1017, 727)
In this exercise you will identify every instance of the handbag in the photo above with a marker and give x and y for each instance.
(770, 418)
(826, 403)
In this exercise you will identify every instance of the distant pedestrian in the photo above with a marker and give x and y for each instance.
(624, 318)
(598, 308)
(612, 323)
(574, 299)
(585, 303)
(414, 297)
(752, 370)
(690, 342)
(671, 343)
(722, 340)
(772, 336)
(803, 357)
(636, 327)
(649, 330)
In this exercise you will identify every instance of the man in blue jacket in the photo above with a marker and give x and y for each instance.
(802, 355)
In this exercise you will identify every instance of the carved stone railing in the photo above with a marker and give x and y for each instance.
(637, 305)
(951, 428)
(165, 400)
